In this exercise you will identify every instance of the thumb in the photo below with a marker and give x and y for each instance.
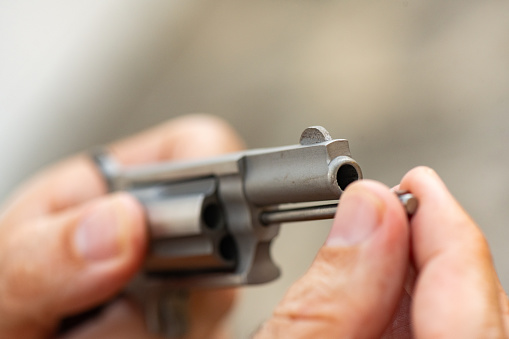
(67, 262)
(354, 285)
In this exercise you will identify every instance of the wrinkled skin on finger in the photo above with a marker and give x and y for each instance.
(353, 287)
(446, 287)
(453, 289)
(457, 291)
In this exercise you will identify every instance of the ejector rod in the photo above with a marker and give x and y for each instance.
(320, 212)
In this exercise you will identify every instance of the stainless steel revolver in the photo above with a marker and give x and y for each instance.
(211, 222)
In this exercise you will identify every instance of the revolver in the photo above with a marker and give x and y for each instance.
(212, 222)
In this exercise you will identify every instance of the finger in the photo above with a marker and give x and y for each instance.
(188, 137)
(353, 287)
(504, 306)
(65, 263)
(401, 325)
(456, 294)
(76, 180)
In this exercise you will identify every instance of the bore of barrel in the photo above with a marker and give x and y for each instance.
(213, 217)
(346, 175)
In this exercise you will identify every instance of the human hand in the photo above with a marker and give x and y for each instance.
(66, 246)
(360, 286)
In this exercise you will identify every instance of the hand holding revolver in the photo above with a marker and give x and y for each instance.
(66, 246)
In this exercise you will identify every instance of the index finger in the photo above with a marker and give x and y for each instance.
(456, 293)
(76, 180)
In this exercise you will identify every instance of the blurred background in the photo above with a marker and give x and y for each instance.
(406, 82)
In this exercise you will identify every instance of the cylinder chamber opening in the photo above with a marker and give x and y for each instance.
(345, 175)
(228, 248)
(213, 217)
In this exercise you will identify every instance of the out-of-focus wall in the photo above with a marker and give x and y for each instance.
(71, 72)
(407, 82)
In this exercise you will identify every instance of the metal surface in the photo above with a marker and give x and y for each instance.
(409, 201)
(299, 214)
(107, 167)
(167, 312)
(320, 212)
(313, 135)
(212, 222)
(187, 251)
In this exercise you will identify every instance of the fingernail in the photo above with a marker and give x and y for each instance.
(99, 234)
(359, 213)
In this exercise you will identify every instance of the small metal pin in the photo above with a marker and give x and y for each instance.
(321, 212)
(408, 200)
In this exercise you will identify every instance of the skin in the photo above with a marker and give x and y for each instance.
(367, 287)
(43, 274)
(377, 275)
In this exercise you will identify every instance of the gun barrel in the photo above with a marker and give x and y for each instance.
(301, 174)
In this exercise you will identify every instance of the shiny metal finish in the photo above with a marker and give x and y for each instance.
(299, 214)
(212, 222)
(320, 212)
(409, 201)
(204, 216)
